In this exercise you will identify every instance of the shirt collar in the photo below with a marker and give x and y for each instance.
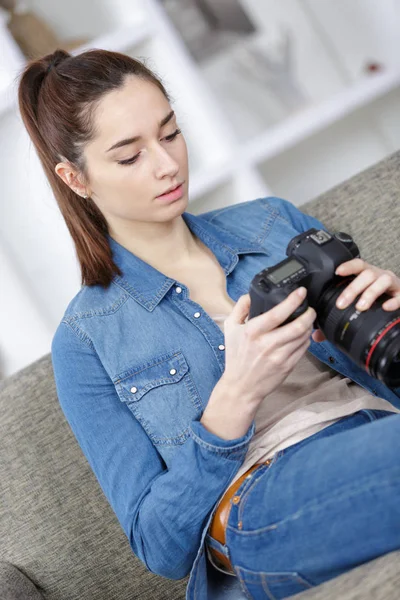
(148, 285)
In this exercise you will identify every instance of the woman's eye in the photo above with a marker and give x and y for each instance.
(168, 138)
(171, 137)
(129, 161)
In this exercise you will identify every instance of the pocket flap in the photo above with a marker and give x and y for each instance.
(164, 369)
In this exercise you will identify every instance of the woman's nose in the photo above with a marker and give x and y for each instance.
(165, 163)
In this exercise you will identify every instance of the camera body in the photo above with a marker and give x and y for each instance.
(313, 257)
(371, 338)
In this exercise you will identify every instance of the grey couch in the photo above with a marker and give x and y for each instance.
(60, 539)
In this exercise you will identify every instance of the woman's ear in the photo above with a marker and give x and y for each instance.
(70, 176)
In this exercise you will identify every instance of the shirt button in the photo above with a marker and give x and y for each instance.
(196, 315)
(133, 390)
(221, 347)
(331, 359)
(178, 290)
(236, 499)
(172, 372)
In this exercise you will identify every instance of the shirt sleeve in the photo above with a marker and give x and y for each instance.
(162, 511)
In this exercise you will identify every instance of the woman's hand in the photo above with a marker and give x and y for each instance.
(371, 282)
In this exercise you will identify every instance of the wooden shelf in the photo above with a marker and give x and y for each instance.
(294, 130)
(119, 41)
(310, 121)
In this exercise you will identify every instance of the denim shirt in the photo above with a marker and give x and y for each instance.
(134, 367)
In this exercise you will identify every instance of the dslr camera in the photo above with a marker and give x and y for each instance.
(370, 338)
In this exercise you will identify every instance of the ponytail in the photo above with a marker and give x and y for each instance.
(56, 96)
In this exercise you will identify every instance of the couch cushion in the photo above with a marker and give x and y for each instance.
(367, 206)
(54, 518)
(14, 585)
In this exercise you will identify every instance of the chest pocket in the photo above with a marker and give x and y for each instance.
(162, 396)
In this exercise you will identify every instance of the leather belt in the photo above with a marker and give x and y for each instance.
(220, 519)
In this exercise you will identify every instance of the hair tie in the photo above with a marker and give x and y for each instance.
(51, 65)
(58, 56)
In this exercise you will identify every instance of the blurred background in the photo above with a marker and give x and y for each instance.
(274, 98)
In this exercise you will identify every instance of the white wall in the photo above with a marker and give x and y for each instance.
(333, 40)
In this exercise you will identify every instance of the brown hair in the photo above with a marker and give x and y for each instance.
(57, 95)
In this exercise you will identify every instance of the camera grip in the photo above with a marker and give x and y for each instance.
(299, 311)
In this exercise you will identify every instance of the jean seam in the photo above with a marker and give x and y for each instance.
(315, 506)
(290, 577)
(280, 576)
(266, 589)
(243, 583)
(370, 414)
(244, 495)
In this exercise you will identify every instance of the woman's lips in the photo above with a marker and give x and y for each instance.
(174, 195)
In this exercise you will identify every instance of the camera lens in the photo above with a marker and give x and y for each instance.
(371, 338)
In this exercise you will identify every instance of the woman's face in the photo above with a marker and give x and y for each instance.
(155, 162)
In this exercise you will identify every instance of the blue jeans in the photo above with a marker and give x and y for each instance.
(320, 508)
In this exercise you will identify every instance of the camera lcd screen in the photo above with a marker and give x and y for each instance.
(292, 266)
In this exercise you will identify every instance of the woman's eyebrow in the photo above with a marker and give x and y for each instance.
(127, 141)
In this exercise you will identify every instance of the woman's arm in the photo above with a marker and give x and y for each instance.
(162, 512)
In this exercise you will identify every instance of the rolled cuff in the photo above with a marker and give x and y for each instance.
(234, 449)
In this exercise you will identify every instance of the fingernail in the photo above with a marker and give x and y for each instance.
(361, 303)
(341, 302)
(302, 292)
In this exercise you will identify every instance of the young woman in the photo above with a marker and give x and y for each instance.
(227, 451)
